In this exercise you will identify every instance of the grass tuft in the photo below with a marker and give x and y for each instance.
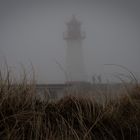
(25, 117)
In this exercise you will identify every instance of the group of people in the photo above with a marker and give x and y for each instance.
(96, 79)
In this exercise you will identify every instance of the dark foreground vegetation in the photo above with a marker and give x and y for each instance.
(24, 117)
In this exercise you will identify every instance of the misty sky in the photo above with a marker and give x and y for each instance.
(32, 32)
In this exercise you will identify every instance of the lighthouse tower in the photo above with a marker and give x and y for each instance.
(74, 52)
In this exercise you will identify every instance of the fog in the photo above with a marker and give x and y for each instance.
(32, 32)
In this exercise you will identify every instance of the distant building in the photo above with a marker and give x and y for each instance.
(74, 52)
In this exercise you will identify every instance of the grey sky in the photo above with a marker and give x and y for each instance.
(31, 31)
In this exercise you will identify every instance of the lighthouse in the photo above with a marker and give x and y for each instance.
(75, 70)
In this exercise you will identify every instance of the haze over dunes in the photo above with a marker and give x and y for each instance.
(32, 31)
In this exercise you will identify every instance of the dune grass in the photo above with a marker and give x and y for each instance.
(25, 117)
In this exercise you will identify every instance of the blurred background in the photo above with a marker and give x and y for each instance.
(31, 32)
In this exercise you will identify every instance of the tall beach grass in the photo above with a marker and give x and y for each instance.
(23, 116)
